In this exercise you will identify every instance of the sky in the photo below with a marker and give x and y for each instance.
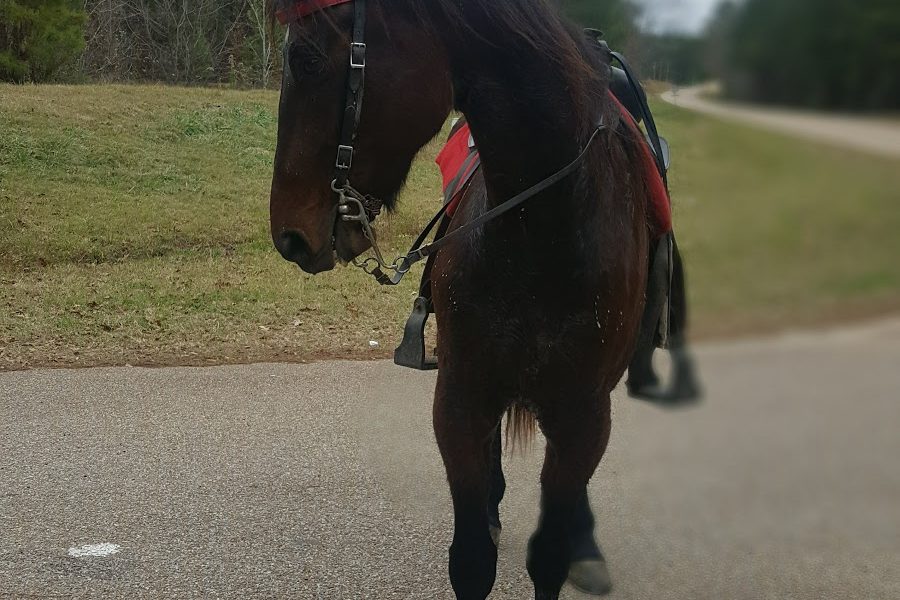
(687, 16)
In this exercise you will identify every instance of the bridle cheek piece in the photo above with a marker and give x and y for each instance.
(354, 206)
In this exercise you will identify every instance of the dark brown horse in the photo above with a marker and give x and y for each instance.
(538, 310)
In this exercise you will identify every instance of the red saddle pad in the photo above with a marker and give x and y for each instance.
(459, 161)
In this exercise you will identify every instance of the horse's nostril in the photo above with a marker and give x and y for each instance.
(293, 247)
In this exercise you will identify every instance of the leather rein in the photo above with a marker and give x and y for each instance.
(355, 206)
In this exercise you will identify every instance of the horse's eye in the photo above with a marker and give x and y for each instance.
(314, 65)
(306, 62)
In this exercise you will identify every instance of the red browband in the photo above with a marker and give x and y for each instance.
(304, 8)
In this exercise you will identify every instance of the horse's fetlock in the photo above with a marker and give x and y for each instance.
(473, 566)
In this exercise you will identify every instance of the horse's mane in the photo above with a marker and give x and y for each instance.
(500, 30)
(503, 26)
(497, 23)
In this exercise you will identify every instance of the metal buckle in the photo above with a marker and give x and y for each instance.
(357, 55)
(344, 157)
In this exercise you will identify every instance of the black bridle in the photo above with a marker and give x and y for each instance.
(356, 84)
(353, 104)
(355, 206)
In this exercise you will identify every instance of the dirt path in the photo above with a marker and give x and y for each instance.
(872, 135)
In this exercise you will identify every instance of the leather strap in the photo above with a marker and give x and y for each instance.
(420, 251)
(647, 116)
(356, 80)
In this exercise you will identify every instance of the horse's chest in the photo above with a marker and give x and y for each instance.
(519, 323)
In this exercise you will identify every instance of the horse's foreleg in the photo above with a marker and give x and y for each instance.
(465, 433)
(497, 486)
(574, 448)
(587, 570)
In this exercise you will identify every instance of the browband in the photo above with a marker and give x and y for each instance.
(304, 8)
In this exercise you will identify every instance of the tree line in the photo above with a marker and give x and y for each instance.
(173, 41)
(827, 54)
(821, 53)
(37, 37)
(833, 54)
(181, 41)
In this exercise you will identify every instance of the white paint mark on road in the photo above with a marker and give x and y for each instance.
(89, 550)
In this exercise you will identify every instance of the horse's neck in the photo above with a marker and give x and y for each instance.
(523, 135)
(522, 113)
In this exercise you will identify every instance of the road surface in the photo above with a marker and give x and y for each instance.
(876, 136)
(323, 481)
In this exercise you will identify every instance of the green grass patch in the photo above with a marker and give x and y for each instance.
(134, 229)
(778, 231)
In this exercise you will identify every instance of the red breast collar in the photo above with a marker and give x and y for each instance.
(304, 8)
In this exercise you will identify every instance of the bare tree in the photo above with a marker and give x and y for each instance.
(263, 48)
(183, 41)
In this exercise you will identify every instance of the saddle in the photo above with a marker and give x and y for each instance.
(459, 161)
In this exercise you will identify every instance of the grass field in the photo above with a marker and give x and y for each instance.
(134, 230)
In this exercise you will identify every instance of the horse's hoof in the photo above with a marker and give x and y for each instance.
(590, 576)
(495, 534)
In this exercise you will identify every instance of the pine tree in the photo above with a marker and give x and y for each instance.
(821, 53)
(38, 37)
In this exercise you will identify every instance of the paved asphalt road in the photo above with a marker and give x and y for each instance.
(323, 481)
(875, 136)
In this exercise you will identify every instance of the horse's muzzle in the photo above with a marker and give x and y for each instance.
(293, 247)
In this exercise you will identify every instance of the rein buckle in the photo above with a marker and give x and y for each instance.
(358, 55)
(344, 158)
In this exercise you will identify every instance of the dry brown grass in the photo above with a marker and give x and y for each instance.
(133, 230)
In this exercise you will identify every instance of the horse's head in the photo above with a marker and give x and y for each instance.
(407, 97)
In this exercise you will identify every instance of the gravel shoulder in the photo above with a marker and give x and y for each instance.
(871, 135)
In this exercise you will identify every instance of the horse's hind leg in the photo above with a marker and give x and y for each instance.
(574, 448)
(464, 427)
